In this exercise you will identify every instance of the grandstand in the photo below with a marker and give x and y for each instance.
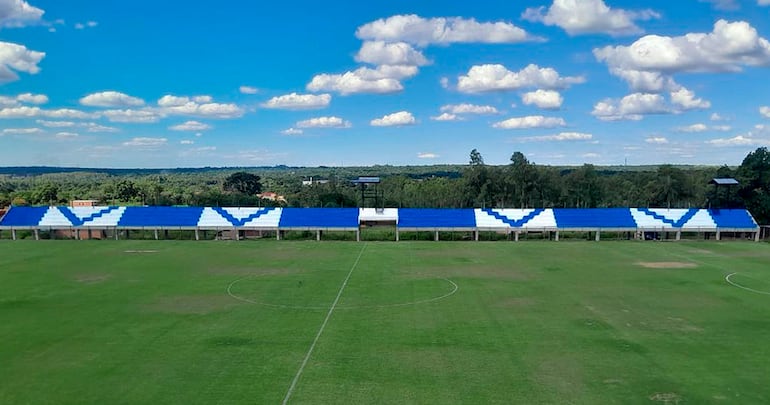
(511, 221)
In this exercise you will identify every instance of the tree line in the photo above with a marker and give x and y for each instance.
(519, 184)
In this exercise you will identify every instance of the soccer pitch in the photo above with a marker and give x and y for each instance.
(104, 322)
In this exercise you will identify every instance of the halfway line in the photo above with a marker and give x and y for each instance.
(323, 326)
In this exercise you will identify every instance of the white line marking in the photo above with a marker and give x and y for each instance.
(455, 287)
(320, 331)
(727, 278)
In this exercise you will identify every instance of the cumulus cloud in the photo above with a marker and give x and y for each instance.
(197, 106)
(447, 117)
(17, 58)
(468, 109)
(33, 112)
(443, 31)
(717, 117)
(685, 99)
(324, 122)
(384, 53)
(144, 142)
(25, 98)
(88, 126)
(739, 140)
(66, 135)
(111, 99)
(631, 107)
(648, 63)
(292, 131)
(495, 77)
(589, 17)
(659, 140)
(560, 137)
(765, 110)
(427, 155)
(145, 116)
(396, 119)
(194, 126)
(533, 121)
(187, 142)
(545, 99)
(248, 90)
(296, 101)
(18, 13)
(384, 79)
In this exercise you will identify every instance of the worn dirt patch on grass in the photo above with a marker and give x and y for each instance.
(92, 278)
(667, 265)
(666, 398)
(193, 304)
(250, 271)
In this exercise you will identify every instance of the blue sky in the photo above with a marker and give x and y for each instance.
(154, 84)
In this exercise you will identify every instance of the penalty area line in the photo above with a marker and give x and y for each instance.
(321, 330)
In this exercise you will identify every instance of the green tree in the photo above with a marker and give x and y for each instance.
(754, 175)
(243, 183)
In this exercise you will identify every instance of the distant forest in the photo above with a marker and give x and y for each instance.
(520, 184)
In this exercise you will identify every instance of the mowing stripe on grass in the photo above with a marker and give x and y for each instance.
(321, 330)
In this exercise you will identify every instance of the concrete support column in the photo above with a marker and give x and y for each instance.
(476, 235)
(516, 236)
(237, 234)
(37, 234)
(277, 234)
(77, 234)
(598, 235)
(557, 236)
(358, 235)
(318, 235)
(156, 234)
(678, 235)
(436, 237)
(398, 237)
(756, 236)
(13, 234)
(197, 234)
(719, 235)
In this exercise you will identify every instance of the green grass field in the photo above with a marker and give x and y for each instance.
(417, 322)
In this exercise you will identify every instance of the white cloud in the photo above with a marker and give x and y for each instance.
(545, 99)
(79, 26)
(427, 155)
(197, 106)
(292, 131)
(111, 99)
(588, 17)
(723, 5)
(324, 122)
(384, 53)
(425, 31)
(66, 135)
(484, 78)
(686, 100)
(533, 121)
(765, 110)
(631, 107)
(703, 128)
(145, 116)
(447, 117)
(653, 58)
(187, 142)
(717, 117)
(94, 127)
(248, 90)
(30, 98)
(739, 140)
(560, 137)
(92, 24)
(22, 131)
(384, 79)
(659, 140)
(143, 142)
(57, 124)
(468, 109)
(194, 126)
(17, 58)
(396, 119)
(33, 112)
(296, 101)
(763, 2)
(89, 126)
(18, 13)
